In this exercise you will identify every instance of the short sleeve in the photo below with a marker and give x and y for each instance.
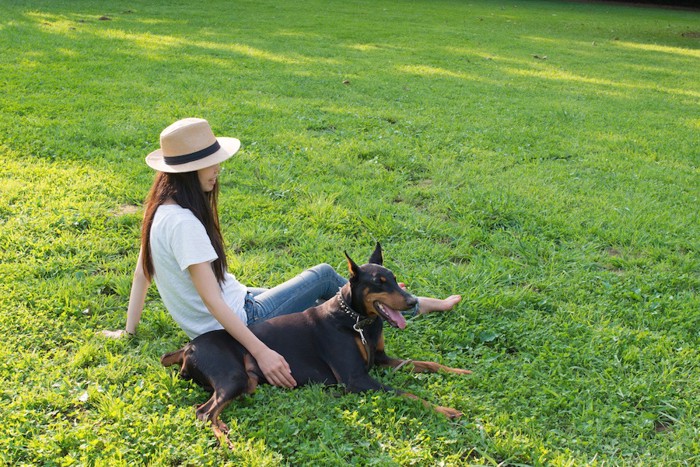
(191, 244)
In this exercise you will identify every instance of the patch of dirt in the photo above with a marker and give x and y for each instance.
(662, 426)
(126, 209)
(613, 252)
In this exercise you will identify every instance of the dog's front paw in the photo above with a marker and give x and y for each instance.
(449, 412)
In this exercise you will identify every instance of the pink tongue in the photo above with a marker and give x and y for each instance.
(395, 318)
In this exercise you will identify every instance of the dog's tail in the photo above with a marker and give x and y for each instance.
(173, 358)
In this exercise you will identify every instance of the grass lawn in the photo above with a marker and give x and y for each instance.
(538, 157)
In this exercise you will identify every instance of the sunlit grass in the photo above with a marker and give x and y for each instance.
(683, 52)
(540, 158)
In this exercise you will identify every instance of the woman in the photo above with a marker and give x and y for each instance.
(182, 249)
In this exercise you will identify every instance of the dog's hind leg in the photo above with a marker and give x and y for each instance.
(251, 369)
(211, 409)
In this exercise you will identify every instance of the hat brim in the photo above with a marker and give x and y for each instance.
(229, 147)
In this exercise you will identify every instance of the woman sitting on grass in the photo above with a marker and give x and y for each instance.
(182, 248)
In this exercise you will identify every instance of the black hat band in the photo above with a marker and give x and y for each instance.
(193, 156)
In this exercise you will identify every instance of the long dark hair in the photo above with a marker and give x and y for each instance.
(186, 190)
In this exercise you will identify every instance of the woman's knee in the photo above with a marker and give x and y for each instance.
(324, 269)
(328, 275)
(329, 271)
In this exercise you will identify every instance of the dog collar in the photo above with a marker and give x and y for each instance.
(360, 324)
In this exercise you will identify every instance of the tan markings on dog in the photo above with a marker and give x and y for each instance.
(418, 366)
(432, 367)
(392, 300)
(221, 432)
(396, 301)
(368, 301)
(338, 379)
(448, 412)
(380, 343)
(250, 367)
(363, 350)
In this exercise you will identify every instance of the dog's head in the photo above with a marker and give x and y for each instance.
(375, 291)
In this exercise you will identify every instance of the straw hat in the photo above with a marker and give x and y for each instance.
(189, 145)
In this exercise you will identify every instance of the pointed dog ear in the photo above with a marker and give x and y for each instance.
(352, 267)
(377, 257)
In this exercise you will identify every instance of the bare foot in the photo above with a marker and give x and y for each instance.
(429, 304)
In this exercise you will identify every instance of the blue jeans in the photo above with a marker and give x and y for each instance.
(307, 289)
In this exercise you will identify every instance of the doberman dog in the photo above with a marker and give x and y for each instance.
(335, 343)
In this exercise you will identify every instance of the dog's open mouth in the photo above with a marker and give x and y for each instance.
(391, 316)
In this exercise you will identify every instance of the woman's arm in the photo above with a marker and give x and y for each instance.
(137, 300)
(273, 365)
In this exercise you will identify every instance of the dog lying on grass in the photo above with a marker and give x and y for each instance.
(335, 343)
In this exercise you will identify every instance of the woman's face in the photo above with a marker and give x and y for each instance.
(208, 176)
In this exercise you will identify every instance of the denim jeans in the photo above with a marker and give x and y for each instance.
(307, 289)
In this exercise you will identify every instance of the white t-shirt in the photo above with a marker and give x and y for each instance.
(179, 240)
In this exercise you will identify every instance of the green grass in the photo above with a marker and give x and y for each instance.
(541, 158)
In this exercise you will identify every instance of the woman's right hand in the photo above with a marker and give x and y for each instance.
(118, 334)
(275, 368)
